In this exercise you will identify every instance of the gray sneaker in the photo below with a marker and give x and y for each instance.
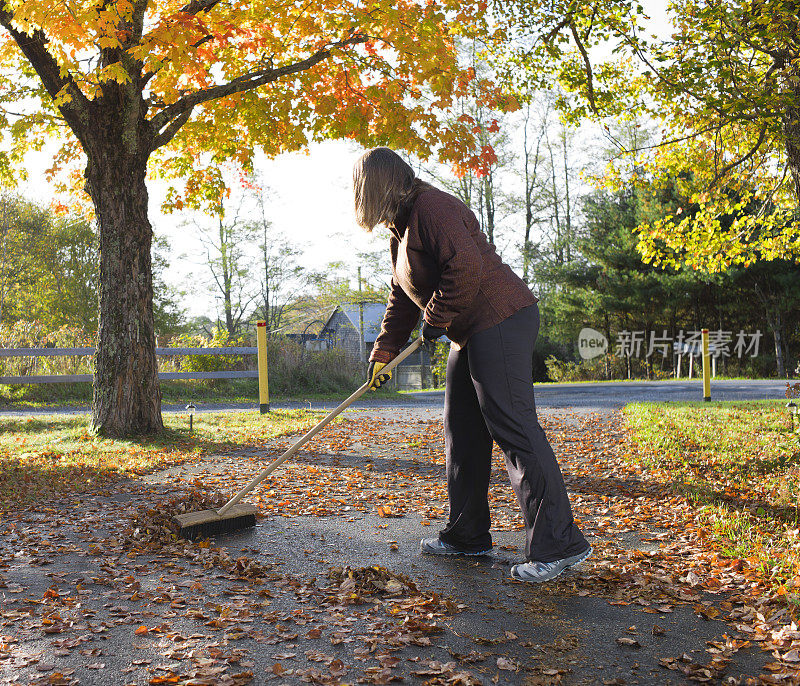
(435, 546)
(537, 572)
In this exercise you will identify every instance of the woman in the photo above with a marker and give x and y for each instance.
(443, 265)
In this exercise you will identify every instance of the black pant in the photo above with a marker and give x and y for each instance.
(489, 395)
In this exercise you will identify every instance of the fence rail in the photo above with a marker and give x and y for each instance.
(66, 352)
(167, 376)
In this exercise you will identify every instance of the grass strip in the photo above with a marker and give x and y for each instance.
(42, 456)
(182, 391)
(740, 463)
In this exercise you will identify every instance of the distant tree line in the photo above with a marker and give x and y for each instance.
(49, 270)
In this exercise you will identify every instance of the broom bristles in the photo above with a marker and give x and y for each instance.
(209, 523)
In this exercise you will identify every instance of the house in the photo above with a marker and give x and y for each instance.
(342, 329)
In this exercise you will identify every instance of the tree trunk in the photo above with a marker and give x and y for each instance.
(227, 278)
(5, 230)
(777, 331)
(774, 317)
(265, 291)
(559, 243)
(526, 245)
(488, 191)
(126, 397)
(568, 214)
(791, 131)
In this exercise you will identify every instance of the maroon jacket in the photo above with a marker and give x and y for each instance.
(443, 264)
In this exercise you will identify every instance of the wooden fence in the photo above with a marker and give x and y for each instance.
(75, 378)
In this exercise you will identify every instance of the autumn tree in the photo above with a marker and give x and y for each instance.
(723, 80)
(180, 88)
(477, 184)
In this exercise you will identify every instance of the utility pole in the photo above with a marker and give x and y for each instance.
(362, 348)
(5, 229)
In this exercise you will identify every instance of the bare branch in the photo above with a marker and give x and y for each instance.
(676, 86)
(716, 127)
(566, 21)
(768, 199)
(753, 150)
(587, 63)
(171, 129)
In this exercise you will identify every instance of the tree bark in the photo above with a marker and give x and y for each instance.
(791, 130)
(226, 260)
(777, 331)
(568, 213)
(559, 243)
(488, 192)
(127, 397)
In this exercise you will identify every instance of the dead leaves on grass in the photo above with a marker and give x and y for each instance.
(45, 457)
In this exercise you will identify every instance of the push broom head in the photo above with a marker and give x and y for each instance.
(208, 522)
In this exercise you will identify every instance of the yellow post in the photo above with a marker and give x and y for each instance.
(263, 377)
(706, 368)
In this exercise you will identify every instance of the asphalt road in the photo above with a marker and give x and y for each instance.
(597, 396)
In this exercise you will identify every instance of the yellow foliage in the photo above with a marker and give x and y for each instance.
(317, 64)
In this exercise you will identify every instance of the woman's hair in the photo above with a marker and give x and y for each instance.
(382, 184)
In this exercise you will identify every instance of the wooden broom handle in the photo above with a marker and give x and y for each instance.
(264, 473)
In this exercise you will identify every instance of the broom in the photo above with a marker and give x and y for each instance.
(234, 516)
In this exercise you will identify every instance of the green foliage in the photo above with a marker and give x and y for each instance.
(441, 351)
(169, 315)
(210, 363)
(48, 266)
(49, 271)
(609, 287)
(558, 370)
(599, 369)
(724, 83)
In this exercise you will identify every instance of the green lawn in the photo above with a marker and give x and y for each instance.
(173, 392)
(740, 462)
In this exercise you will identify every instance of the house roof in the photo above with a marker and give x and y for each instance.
(373, 316)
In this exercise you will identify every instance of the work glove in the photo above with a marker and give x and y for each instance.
(374, 375)
(430, 333)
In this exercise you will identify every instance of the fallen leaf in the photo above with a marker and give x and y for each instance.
(506, 664)
(628, 641)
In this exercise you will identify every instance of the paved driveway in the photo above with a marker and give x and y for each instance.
(572, 395)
